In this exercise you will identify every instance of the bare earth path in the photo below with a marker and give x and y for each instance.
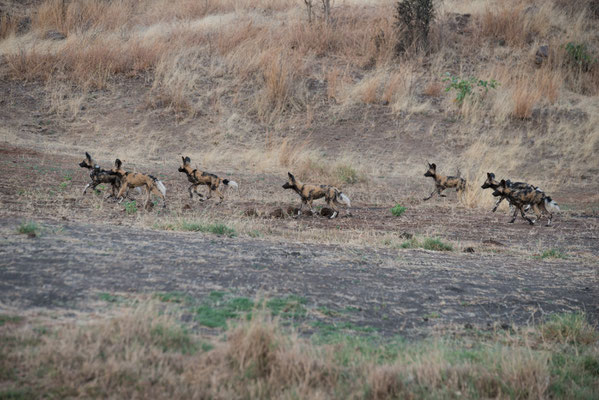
(396, 291)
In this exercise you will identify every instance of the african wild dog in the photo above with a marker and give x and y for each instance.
(135, 180)
(539, 201)
(309, 193)
(198, 178)
(492, 183)
(444, 182)
(99, 175)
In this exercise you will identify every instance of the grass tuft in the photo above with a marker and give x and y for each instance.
(29, 228)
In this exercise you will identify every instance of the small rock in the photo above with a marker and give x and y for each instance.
(469, 250)
(468, 325)
(54, 35)
(406, 235)
(505, 326)
(541, 54)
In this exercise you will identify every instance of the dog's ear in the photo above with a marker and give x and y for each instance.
(118, 163)
(502, 183)
(291, 177)
(88, 156)
(186, 160)
(490, 175)
(433, 166)
(183, 158)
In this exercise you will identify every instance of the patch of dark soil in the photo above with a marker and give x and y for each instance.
(396, 295)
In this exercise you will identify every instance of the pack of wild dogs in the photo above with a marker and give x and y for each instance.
(521, 196)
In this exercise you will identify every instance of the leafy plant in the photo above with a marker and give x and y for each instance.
(398, 210)
(131, 207)
(552, 253)
(465, 87)
(580, 55)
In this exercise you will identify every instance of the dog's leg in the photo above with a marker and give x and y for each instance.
(122, 191)
(220, 194)
(439, 190)
(148, 196)
(530, 221)
(514, 215)
(85, 188)
(431, 195)
(497, 203)
(159, 193)
(190, 191)
(332, 206)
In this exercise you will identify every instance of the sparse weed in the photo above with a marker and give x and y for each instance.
(398, 210)
(569, 328)
(348, 174)
(131, 207)
(552, 253)
(29, 228)
(428, 243)
(580, 55)
(191, 226)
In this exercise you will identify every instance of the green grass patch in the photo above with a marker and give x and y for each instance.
(109, 298)
(288, 307)
(552, 253)
(433, 244)
(569, 328)
(398, 210)
(29, 228)
(191, 226)
(174, 339)
(217, 309)
(9, 319)
(173, 297)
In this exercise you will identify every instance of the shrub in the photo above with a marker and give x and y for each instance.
(580, 55)
(348, 174)
(412, 20)
(398, 210)
(131, 207)
(464, 87)
(30, 228)
(436, 245)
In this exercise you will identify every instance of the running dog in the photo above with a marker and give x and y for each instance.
(136, 180)
(198, 178)
(99, 175)
(309, 193)
(539, 201)
(444, 182)
(492, 183)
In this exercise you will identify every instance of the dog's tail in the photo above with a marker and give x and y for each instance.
(159, 185)
(231, 183)
(344, 199)
(551, 205)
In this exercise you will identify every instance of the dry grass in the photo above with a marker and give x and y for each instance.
(145, 352)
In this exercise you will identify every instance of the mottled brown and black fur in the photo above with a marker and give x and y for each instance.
(444, 182)
(136, 179)
(198, 178)
(99, 175)
(493, 183)
(309, 193)
(539, 201)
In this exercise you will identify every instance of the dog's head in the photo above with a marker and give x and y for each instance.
(502, 189)
(118, 164)
(432, 170)
(291, 183)
(490, 182)
(185, 165)
(87, 162)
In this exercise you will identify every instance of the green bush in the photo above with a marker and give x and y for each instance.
(398, 210)
(580, 55)
(29, 228)
(131, 207)
(465, 87)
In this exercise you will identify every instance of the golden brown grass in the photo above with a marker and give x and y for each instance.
(145, 352)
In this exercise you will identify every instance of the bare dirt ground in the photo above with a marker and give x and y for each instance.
(496, 273)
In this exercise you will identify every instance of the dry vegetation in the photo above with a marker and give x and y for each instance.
(146, 352)
(263, 60)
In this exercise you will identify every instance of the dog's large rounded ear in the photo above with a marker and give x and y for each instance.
(291, 176)
(187, 160)
(490, 175)
(88, 156)
(183, 158)
(433, 166)
(502, 183)
(118, 163)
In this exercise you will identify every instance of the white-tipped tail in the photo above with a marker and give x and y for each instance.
(344, 199)
(161, 187)
(232, 184)
(551, 205)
